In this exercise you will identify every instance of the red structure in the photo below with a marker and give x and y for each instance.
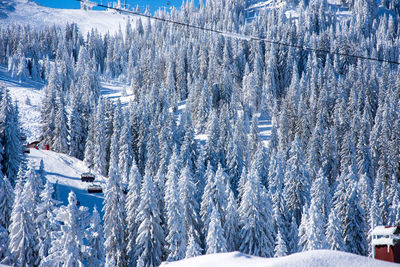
(386, 243)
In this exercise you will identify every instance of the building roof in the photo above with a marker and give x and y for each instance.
(385, 230)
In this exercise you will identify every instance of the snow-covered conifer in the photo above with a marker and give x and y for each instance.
(132, 205)
(257, 233)
(45, 220)
(176, 237)
(215, 240)
(150, 238)
(114, 217)
(95, 239)
(280, 246)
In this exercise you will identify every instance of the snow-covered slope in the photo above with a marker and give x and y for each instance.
(317, 258)
(29, 13)
(66, 172)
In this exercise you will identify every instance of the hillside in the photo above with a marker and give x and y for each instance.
(27, 12)
(318, 258)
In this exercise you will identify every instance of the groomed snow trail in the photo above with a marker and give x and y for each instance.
(66, 172)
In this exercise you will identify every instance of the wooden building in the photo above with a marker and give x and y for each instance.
(386, 243)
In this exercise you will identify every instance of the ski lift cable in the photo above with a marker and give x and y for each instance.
(246, 37)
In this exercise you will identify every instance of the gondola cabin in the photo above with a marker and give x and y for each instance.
(386, 243)
(95, 189)
(87, 177)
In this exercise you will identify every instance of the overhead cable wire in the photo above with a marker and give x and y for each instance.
(244, 37)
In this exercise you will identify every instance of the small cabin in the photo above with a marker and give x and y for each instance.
(386, 243)
(34, 144)
(87, 177)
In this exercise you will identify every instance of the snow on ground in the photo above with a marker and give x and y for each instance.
(317, 258)
(66, 172)
(34, 15)
(117, 90)
(29, 111)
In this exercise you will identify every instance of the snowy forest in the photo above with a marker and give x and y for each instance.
(327, 175)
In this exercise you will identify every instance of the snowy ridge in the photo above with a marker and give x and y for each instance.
(316, 258)
(29, 13)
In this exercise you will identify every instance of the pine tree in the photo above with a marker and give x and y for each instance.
(215, 240)
(297, 183)
(114, 217)
(315, 228)
(280, 246)
(67, 243)
(231, 226)
(132, 205)
(100, 152)
(176, 237)
(45, 220)
(193, 248)
(60, 141)
(334, 232)
(150, 238)
(10, 131)
(4, 253)
(95, 241)
(78, 133)
(125, 152)
(6, 201)
(355, 227)
(257, 232)
(190, 209)
(22, 229)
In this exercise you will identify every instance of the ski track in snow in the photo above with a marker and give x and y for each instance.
(66, 171)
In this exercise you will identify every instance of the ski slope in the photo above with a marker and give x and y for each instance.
(27, 12)
(65, 171)
(316, 258)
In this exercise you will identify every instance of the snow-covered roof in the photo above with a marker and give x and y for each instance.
(385, 230)
(384, 241)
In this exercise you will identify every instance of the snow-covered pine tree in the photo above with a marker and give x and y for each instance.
(78, 132)
(10, 130)
(215, 240)
(355, 227)
(67, 243)
(125, 151)
(22, 230)
(45, 220)
(334, 232)
(60, 141)
(257, 232)
(100, 153)
(6, 201)
(176, 225)
(113, 218)
(150, 238)
(190, 209)
(95, 240)
(132, 205)
(4, 253)
(315, 228)
(297, 183)
(280, 246)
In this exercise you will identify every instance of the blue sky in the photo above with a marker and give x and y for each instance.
(153, 4)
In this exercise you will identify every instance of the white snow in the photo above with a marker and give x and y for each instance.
(317, 258)
(383, 230)
(67, 172)
(29, 113)
(37, 16)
